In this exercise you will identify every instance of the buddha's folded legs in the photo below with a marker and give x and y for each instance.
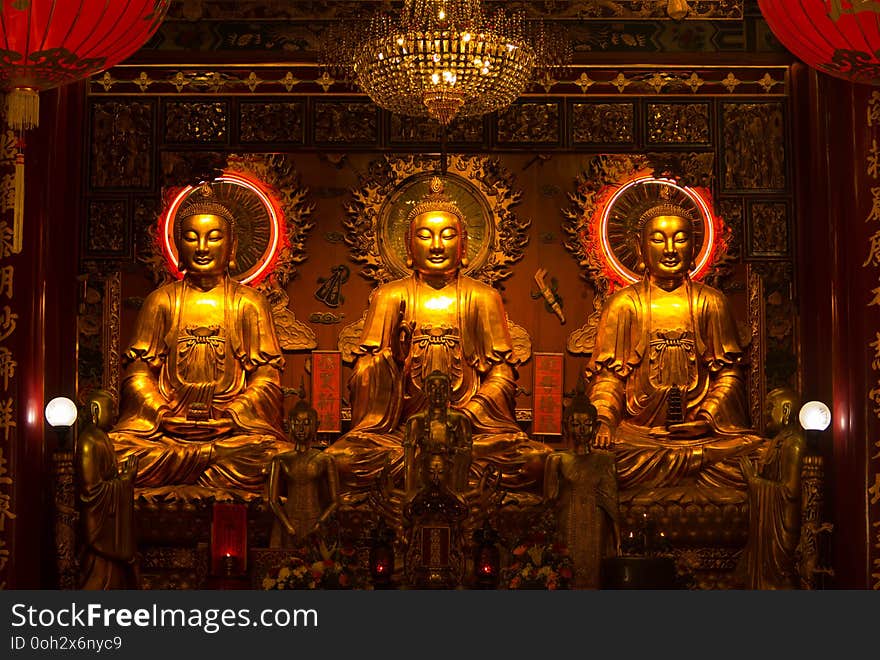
(236, 462)
(361, 457)
(647, 461)
(520, 460)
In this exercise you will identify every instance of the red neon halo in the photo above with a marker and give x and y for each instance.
(166, 226)
(696, 195)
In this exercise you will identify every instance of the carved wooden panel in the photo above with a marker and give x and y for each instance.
(602, 123)
(107, 234)
(421, 130)
(193, 122)
(678, 123)
(769, 232)
(263, 122)
(753, 146)
(530, 123)
(346, 122)
(122, 144)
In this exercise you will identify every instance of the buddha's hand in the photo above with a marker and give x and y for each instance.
(604, 437)
(686, 430)
(198, 429)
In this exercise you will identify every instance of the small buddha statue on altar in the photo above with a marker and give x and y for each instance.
(666, 372)
(105, 501)
(437, 430)
(201, 394)
(303, 483)
(582, 485)
(775, 503)
(436, 319)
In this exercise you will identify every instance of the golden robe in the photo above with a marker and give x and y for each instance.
(228, 365)
(403, 340)
(659, 351)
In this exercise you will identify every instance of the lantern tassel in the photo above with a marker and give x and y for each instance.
(18, 204)
(23, 108)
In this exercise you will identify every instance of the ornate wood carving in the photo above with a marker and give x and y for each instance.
(189, 122)
(122, 144)
(262, 122)
(768, 230)
(754, 146)
(678, 123)
(529, 123)
(602, 123)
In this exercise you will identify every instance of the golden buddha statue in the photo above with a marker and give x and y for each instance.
(775, 504)
(436, 319)
(105, 501)
(201, 394)
(437, 430)
(582, 484)
(307, 479)
(666, 371)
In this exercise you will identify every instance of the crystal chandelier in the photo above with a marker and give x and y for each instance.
(443, 58)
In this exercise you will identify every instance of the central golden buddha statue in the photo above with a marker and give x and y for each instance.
(201, 395)
(666, 371)
(436, 319)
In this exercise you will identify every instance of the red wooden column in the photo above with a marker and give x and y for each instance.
(836, 278)
(44, 342)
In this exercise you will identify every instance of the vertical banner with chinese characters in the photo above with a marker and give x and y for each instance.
(872, 170)
(8, 361)
(327, 390)
(547, 414)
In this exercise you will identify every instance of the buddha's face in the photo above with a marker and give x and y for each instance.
(205, 245)
(436, 469)
(302, 427)
(437, 391)
(581, 428)
(436, 243)
(667, 246)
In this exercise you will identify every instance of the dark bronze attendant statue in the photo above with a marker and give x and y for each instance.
(105, 501)
(582, 484)
(775, 503)
(303, 483)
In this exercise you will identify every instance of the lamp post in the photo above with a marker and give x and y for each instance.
(61, 415)
(814, 417)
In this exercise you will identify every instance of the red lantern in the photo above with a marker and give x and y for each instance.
(837, 37)
(49, 43)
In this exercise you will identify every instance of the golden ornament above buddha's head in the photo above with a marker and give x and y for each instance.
(436, 236)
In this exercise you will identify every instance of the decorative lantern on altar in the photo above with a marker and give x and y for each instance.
(837, 37)
(50, 43)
